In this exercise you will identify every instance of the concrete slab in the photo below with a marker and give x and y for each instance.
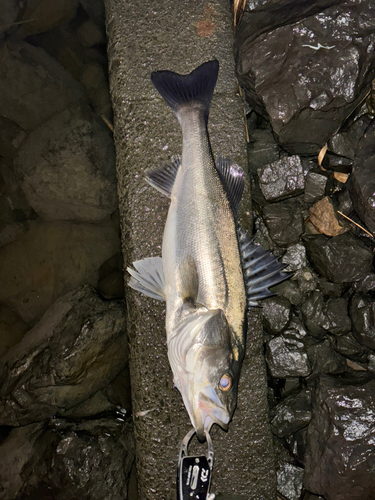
(143, 37)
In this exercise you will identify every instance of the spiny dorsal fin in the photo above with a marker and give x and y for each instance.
(148, 277)
(261, 270)
(162, 178)
(233, 180)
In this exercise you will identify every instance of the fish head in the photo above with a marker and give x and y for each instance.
(208, 373)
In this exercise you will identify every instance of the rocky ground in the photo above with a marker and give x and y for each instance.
(65, 410)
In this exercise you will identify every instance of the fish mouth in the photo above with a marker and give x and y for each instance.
(209, 410)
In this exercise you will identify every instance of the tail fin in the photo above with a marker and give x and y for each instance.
(198, 86)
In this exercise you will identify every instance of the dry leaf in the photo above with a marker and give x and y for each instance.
(322, 154)
(323, 216)
(341, 177)
(355, 366)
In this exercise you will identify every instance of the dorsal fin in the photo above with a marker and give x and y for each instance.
(233, 180)
(261, 269)
(162, 178)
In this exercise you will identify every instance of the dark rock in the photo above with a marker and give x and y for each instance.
(341, 259)
(292, 413)
(290, 290)
(306, 107)
(43, 15)
(342, 144)
(33, 86)
(349, 347)
(340, 457)
(59, 159)
(94, 80)
(337, 163)
(289, 481)
(322, 316)
(324, 359)
(276, 314)
(118, 392)
(94, 9)
(50, 260)
(295, 257)
(282, 178)
(9, 12)
(371, 363)
(262, 149)
(75, 350)
(286, 355)
(362, 186)
(112, 286)
(12, 329)
(265, 15)
(311, 496)
(91, 461)
(284, 222)
(11, 136)
(366, 285)
(297, 444)
(15, 212)
(307, 280)
(329, 289)
(344, 203)
(315, 185)
(90, 34)
(362, 313)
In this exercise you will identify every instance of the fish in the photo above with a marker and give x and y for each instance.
(210, 271)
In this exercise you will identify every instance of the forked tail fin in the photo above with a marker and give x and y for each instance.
(178, 90)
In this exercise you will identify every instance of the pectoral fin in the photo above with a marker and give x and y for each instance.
(148, 277)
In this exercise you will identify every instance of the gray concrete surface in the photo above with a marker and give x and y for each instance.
(144, 37)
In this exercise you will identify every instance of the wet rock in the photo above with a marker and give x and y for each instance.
(11, 136)
(286, 355)
(324, 217)
(290, 290)
(91, 461)
(349, 347)
(33, 86)
(371, 363)
(295, 257)
(75, 350)
(292, 413)
(12, 329)
(362, 187)
(262, 149)
(344, 203)
(341, 439)
(289, 481)
(308, 76)
(297, 444)
(111, 278)
(322, 316)
(60, 159)
(315, 185)
(43, 15)
(341, 259)
(307, 280)
(343, 145)
(311, 496)
(281, 179)
(276, 314)
(362, 314)
(284, 222)
(15, 212)
(324, 359)
(50, 260)
(329, 289)
(366, 285)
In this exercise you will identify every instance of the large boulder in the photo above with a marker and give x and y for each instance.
(66, 167)
(50, 260)
(76, 349)
(306, 76)
(340, 455)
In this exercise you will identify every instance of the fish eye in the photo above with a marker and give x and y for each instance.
(225, 382)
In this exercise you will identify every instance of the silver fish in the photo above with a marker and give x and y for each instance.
(210, 271)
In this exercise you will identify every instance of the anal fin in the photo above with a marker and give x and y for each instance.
(261, 270)
(148, 277)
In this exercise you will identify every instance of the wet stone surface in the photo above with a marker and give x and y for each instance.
(340, 452)
(281, 179)
(284, 222)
